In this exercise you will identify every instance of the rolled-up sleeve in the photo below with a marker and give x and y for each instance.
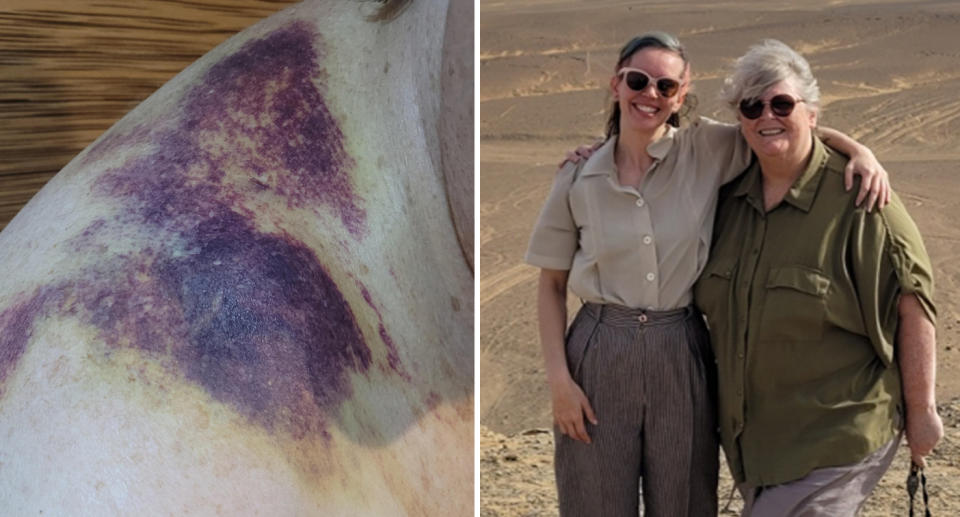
(890, 260)
(910, 261)
(554, 240)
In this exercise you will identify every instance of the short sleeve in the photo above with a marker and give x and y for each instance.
(889, 260)
(720, 149)
(554, 240)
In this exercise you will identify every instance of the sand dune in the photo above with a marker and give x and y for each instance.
(889, 73)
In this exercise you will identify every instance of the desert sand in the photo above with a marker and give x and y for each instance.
(889, 73)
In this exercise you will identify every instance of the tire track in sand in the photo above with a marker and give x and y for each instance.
(504, 280)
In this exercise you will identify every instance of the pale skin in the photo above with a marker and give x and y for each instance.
(916, 353)
(783, 158)
(106, 409)
(569, 402)
(642, 121)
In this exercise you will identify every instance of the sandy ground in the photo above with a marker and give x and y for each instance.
(516, 476)
(889, 74)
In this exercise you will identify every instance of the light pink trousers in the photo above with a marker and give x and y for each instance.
(832, 491)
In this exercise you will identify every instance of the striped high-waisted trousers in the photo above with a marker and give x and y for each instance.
(649, 378)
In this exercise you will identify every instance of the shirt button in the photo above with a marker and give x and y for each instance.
(640, 202)
(740, 355)
(642, 318)
(647, 239)
(651, 277)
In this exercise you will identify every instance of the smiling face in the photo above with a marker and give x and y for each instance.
(647, 111)
(780, 137)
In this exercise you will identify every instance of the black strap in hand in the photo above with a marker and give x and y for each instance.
(912, 483)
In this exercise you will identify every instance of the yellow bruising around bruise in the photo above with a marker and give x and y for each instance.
(102, 377)
(408, 467)
(428, 468)
(322, 464)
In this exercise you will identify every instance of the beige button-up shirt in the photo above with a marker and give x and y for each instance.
(639, 248)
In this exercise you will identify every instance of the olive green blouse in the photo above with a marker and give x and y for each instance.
(802, 307)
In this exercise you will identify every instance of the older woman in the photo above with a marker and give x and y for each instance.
(821, 314)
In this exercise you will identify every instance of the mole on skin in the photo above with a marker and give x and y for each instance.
(252, 317)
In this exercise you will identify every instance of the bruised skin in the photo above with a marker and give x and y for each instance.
(253, 317)
(260, 111)
(224, 274)
(250, 316)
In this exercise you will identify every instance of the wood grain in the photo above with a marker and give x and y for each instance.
(69, 70)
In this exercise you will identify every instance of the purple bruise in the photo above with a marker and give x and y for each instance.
(273, 78)
(393, 357)
(16, 327)
(265, 321)
(272, 129)
(252, 317)
(433, 400)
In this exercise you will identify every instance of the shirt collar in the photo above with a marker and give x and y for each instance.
(603, 160)
(801, 193)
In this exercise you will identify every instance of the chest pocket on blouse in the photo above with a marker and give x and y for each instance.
(795, 305)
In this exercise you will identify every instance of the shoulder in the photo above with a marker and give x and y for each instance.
(712, 140)
(891, 227)
(897, 222)
(835, 162)
(707, 127)
(600, 164)
(832, 188)
(568, 172)
(565, 177)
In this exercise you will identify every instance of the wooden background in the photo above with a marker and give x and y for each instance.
(70, 69)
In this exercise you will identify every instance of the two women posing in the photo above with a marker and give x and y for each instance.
(629, 231)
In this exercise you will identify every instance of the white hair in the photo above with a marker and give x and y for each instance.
(765, 65)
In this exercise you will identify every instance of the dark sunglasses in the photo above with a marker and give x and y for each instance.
(781, 105)
(638, 80)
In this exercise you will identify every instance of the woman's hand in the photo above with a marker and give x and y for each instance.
(924, 430)
(569, 406)
(875, 184)
(581, 153)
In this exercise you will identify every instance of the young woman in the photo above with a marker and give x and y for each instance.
(628, 231)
